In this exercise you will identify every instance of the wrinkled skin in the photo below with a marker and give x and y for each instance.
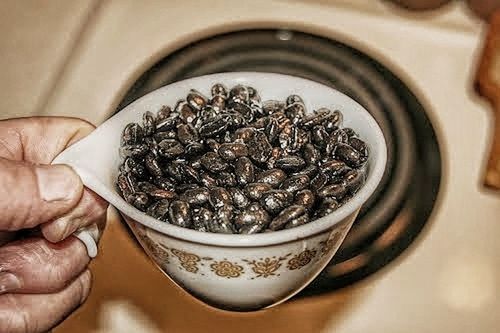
(43, 272)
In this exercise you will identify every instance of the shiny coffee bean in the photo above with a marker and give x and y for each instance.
(139, 200)
(159, 210)
(349, 155)
(170, 148)
(196, 100)
(213, 162)
(219, 197)
(253, 214)
(301, 220)
(187, 133)
(180, 214)
(290, 163)
(160, 136)
(202, 218)
(133, 150)
(305, 198)
(259, 148)
(311, 154)
(310, 171)
(226, 179)
(319, 181)
(196, 197)
(270, 107)
(168, 124)
(295, 183)
(214, 127)
(254, 191)
(238, 197)
(273, 177)
(327, 206)
(287, 215)
(219, 89)
(353, 180)
(232, 151)
(336, 137)
(207, 180)
(149, 123)
(335, 191)
(162, 194)
(135, 167)
(132, 134)
(165, 183)
(153, 166)
(334, 168)
(275, 201)
(244, 171)
(163, 113)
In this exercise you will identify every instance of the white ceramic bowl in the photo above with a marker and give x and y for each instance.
(235, 272)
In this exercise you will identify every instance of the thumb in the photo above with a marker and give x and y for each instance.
(33, 194)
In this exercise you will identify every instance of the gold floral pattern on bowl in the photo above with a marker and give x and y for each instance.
(188, 261)
(266, 267)
(227, 269)
(302, 259)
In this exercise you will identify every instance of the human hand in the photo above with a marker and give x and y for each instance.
(42, 278)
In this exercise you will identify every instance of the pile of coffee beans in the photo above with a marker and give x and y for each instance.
(234, 164)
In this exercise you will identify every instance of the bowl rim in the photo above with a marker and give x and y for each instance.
(376, 171)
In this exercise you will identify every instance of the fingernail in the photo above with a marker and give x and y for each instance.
(8, 282)
(57, 183)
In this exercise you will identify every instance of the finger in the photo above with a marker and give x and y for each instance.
(34, 194)
(40, 139)
(25, 313)
(90, 209)
(36, 265)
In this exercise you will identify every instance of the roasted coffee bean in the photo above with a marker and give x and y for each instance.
(259, 148)
(295, 183)
(219, 89)
(160, 136)
(334, 168)
(310, 171)
(170, 148)
(139, 200)
(134, 167)
(290, 163)
(163, 113)
(254, 191)
(275, 201)
(335, 191)
(214, 127)
(239, 93)
(219, 197)
(353, 180)
(180, 214)
(124, 186)
(159, 210)
(148, 123)
(232, 151)
(311, 154)
(287, 215)
(162, 194)
(242, 158)
(196, 100)
(349, 155)
(221, 226)
(295, 111)
(175, 169)
(301, 220)
(244, 134)
(305, 198)
(186, 187)
(202, 218)
(213, 162)
(168, 124)
(187, 133)
(132, 134)
(294, 99)
(226, 179)
(165, 183)
(152, 165)
(194, 149)
(327, 206)
(244, 171)
(273, 177)
(218, 103)
(270, 107)
(320, 136)
(207, 180)
(134, 150)
(196, 197)
(336, 137)
(319, 181)
(239, 199)
(253, 214)
(146, 187)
